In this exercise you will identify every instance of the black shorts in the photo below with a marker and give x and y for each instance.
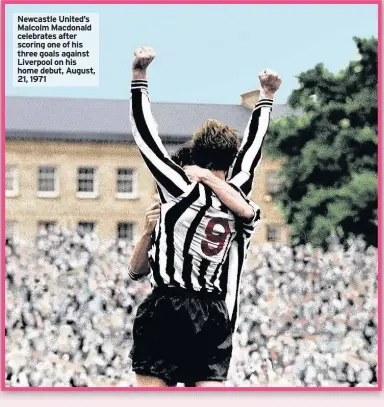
(182, 337)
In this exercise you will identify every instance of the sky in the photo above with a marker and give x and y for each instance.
(210, 53)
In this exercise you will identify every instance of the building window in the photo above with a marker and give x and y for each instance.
(126, 183)
(46, 226)
(272, 182)
(86, 182)
(10, 230)
(11, 181)
(126, 231)
(86, 227)
(273, 233)
(47, 181)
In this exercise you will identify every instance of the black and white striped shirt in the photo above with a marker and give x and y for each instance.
(198, 243)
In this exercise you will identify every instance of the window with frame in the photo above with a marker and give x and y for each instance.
(126, 179)
(86, 227)
(272, 182)
(11, 180)
(86, 181)
(273, 233)
(126, 231)
(47, 181)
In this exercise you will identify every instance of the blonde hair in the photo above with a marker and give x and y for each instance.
(214, 145)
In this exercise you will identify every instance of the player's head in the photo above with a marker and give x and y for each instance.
(183, 156)
(214, 146)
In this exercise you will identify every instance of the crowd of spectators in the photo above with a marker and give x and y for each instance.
(307, 317)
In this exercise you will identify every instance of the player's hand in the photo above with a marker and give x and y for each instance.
(195, 173)
(151, 216)
(143, 56)
(269, 82)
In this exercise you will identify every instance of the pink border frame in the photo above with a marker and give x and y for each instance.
(177, 389)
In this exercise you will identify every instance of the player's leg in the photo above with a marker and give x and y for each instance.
(149, 381)
(214, 347)
(152, 381)
(156, 332)
(210, 384)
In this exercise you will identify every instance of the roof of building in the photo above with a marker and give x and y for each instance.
(104, 120)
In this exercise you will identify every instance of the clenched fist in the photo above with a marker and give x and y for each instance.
(143, 56)
(270, 82)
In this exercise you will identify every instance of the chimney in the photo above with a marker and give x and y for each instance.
(249, 99)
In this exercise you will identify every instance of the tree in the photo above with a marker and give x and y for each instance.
(330, 152)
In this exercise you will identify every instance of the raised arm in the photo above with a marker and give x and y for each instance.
(170, 178)
(243, 168)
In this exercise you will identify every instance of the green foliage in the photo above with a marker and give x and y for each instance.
(330, 152)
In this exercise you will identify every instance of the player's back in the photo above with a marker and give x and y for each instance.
(191, 241)
(196, 234)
